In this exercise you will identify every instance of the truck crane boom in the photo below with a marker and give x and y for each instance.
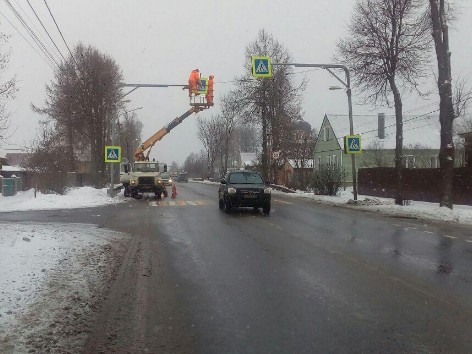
(149, 143)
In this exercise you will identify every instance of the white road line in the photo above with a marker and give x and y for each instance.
(191, 203)
(429, 232)
(468, 241)
(172, 203)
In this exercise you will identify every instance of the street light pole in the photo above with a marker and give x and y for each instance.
(347, 85)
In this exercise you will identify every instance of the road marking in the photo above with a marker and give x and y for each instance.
(191, 202)
(429, 232)
(172, 203)
(181, 202)
(449, 236)
(468, 241)
(201, 202)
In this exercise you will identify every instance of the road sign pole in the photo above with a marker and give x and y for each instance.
(112, 167)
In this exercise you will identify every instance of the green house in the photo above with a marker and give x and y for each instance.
(421, 141)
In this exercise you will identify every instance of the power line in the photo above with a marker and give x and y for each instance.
(60, 32)
(45, 58)
(33, 35)
(41, 22)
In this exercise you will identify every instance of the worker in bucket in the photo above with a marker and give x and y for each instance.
(209, 95)
(193, 81)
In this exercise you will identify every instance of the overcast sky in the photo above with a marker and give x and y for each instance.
(157, 41)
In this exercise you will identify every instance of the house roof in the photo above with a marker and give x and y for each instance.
(417, 129)
(17, 158)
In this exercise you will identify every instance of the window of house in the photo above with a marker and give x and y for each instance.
(326, 136)
(434, 161)
(319, 162)
(335, 160)
(328, 160)
(409, 161)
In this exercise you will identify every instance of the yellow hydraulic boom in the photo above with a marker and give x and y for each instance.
(149, 143)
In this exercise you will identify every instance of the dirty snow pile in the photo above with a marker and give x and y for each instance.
(82, 197)
(52, 278)
(420, 210)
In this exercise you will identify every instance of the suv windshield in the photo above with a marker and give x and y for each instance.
(245, 178)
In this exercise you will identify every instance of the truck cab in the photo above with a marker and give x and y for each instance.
(142, 177)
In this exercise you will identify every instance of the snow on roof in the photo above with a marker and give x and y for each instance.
(12, 168)
(417, 129)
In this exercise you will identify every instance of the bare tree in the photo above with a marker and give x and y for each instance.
(211, 133)
(83, 100)
(130, 131)
(386, 48)
(7, 90)
(439, 15)
(269, 101)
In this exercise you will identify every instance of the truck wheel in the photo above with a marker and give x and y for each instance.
(127, 192)
(266, 209)
(227, 207)
(134, 194)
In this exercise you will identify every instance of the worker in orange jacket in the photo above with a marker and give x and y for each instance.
(193, 81)
(209, 95)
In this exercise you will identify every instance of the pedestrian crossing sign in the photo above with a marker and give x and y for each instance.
(261, 66)
(202, 87)
(352, 144)
(112, 153)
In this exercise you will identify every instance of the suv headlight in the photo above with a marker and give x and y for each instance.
(231, 190)
(132, 181)
(158, 180)
(267, 190)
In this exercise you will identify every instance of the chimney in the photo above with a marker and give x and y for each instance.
(381, 126)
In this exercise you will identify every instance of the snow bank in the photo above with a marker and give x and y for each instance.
(82, 197)
(421, 210)
(52, 278)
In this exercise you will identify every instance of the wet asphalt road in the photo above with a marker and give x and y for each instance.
(307, 279)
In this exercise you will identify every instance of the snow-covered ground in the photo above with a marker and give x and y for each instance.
(421, 210)
(53, 276)
(75, 198)
(52, 279)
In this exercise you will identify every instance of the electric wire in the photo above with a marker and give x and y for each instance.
(33, 23)
(33, 35)
(41, 22)
(45, 58)
(60, 32)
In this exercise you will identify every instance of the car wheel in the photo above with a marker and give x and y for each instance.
(266, 209)
(127, 192)
(221, 204)
(227, 207)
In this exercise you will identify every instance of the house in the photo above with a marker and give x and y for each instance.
(421, 141)
(295, 173)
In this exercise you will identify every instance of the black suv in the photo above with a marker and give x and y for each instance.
(243, 188)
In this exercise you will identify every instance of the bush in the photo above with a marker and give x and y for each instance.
(328, 179)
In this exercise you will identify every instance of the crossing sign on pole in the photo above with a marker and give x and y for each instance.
(261, 66)
(112, 153)
(202, 87)
(352, 144)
